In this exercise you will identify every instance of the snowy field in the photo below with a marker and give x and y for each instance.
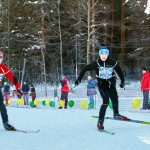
(75, 129)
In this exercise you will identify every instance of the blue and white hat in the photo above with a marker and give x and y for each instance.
(103, 50)
(63, 76)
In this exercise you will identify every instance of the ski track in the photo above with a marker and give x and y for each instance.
(75, 129)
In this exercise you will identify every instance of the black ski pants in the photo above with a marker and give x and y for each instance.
(106, 94)
(3, 109)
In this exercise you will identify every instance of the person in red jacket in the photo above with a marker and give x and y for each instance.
(4, 71)
(145, 87)
(64, 91)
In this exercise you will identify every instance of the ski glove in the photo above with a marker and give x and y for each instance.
(122, 85)
(77, 81)
(19, 93)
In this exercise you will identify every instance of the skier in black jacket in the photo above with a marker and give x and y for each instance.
(105, 69)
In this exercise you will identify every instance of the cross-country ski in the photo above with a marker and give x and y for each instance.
(127, 120)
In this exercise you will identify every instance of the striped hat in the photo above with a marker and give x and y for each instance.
(103, 50)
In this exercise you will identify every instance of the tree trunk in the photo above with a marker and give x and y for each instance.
(8, 31)
(122, 26)
(88, 40)
(105, 27)
(93, 30)
(112, 27)
(42, 50)
(105, 40)
(60, 36)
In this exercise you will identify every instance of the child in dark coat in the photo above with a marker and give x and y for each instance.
(25, 89)
(6, 92)
(33, 93)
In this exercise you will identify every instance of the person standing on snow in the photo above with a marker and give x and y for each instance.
(25, 89)
(64, 91)
(145, 87)
(6, 92)
(105, 69)
(33, 93)
(91, 91)
(4, 71)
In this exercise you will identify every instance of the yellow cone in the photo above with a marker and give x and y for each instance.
(135, 103)
(83, 104)
(4, 102)
(36, 102)
(47, 101)
(19, 101)
(22, 101)
(9, 101)
(61, 103)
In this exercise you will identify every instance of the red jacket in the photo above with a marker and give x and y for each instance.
(64, 87)
(4, 71)
(145, 85)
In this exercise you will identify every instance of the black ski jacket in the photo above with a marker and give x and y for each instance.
(105, 72)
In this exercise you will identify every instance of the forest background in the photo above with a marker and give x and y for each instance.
(54, 37)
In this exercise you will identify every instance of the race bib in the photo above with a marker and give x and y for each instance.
(105, 73)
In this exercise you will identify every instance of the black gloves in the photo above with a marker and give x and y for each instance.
(122, 85)
(77, 81)
(19, 93)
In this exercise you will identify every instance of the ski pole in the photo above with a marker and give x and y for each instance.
(118, 77)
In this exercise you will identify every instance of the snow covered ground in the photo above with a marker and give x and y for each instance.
(75, 129)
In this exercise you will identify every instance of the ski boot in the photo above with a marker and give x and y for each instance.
(100, 125)
(9, 127)
(120, 117)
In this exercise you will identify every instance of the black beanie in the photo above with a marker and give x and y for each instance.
(144, 69)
